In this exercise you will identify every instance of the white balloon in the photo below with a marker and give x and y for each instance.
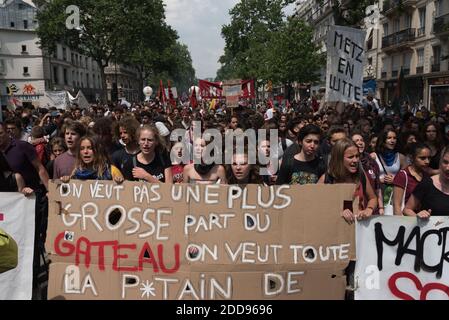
(147, 91)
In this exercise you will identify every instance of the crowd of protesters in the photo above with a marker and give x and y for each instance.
(399, 161)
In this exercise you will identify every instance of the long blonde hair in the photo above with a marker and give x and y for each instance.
(101, 160)
(337, 167)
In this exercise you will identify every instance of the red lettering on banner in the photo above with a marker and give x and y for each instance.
(424, 290)
(83, 254)
(2, 217)
(160, 253)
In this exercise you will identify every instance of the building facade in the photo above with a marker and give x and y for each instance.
(126, 79)
(415, 38)
(26, 72)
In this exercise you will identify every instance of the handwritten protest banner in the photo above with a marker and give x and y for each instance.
(17, 219)
(142, 241)
(402, 259)
(345, 59)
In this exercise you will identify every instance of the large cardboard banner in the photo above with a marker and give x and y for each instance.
(142, 241)
(402, 259)
(345, 59)
(17, 219)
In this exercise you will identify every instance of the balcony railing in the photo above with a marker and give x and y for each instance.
(406, 71)
(384, 75)
(394, 73)
(420, 70)
(441, 24)
(436, 67)
(421, 32)
(389, 6)
(399, 38)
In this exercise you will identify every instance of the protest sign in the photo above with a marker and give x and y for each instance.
(232, 91)
(17, 219)
(142, 241)
(57, 99)
(345, 59)
(401, 258)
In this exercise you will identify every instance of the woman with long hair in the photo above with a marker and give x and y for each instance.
(241, 172)
(201, 172)
(92, 162)
(433, 138)
(431, 196)
(370, 167)
(152, 164)
(406, 180)
(345, 167)
(390, 162)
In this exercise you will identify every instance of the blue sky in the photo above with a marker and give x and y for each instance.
(199, 23)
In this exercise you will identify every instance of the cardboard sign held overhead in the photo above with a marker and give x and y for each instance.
(142, 241)
(345, 59)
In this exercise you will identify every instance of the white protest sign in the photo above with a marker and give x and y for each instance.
(401, 258)
(57, 99)
(17, 219)
(345, 58)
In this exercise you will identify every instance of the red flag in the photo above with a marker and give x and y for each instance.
(161, 94)
(193, 99)
(270, 103)
(171, 98)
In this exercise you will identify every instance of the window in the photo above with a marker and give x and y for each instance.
(64, 54)
(25, 24)
(2, 66)
(396, 25)
(25, 71)
(436, 55)
(24, 49)
(408, 21)
(395, 63)
(87, 63)
(55, 75)
(422, 17)
(420, 53)
(13, 24)
(385, 29)
(66, 81)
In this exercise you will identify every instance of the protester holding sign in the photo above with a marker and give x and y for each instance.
(92, 163)
(152, 164)
(345, 167)
(304, 167)
(431, 196)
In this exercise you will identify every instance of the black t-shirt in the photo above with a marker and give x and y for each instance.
(155, 168)
(121, 159)
(299, 172)
(432, 198)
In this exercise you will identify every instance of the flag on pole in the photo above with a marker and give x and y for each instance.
(193, 99)
(161, 93)
(398, 93)
(171, 97)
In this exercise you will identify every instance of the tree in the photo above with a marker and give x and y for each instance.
(248, 37)
(350, 13)
(293, 56)
(109, 31)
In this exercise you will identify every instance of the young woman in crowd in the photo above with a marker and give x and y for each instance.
(431, 196)
(177, 162)
(345, 167)
(432, 137)
(406, 180)
(390, 162)
(57, 147)
(92, 162)
(304, 167)
(241, 172)
(152, 164)
(199, 171)
(370, 167)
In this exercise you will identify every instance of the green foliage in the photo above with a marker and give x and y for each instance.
(262, 44)
(350, 12)
(121, 31)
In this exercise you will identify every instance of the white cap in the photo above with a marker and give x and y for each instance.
(163, 130)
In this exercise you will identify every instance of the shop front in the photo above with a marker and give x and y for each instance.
(412, 90)
(438, 93)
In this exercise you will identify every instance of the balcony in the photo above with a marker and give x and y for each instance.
(436, 67)
(441, 25)
(394, 73)
(406, 71)
(392, 7)
(384, 75)
(420, 32)
(399, 40)
(420, 70)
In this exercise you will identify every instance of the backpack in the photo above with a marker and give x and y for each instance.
(8, 252)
